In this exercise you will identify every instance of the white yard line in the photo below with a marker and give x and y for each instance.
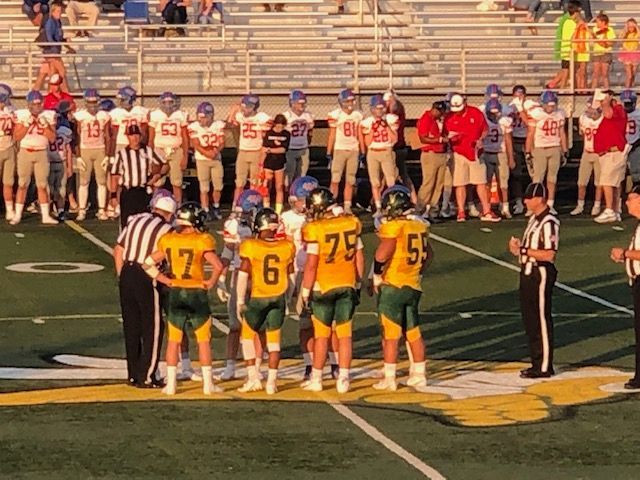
(358, 421)
(510, 266)
(78, 316)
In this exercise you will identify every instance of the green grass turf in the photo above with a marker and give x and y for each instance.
(297, 440)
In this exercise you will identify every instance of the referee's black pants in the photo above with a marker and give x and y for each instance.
(132, 201)
(142, 322)
(635, 289)
(536, 293)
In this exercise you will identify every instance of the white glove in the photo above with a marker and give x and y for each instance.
(81, 165)
(43, 122)
(221, 291)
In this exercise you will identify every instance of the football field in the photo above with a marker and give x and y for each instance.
(66, 413)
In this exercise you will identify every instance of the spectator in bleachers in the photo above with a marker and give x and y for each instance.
(582, 49)
(585, 6)
(205, 10)
(56, 94)
(630, 55)
(278, 7)
(602, 56)
(51, 32)
(36, 11)
(174, 12)
(85, 8)
(535, 8)
(567, 24)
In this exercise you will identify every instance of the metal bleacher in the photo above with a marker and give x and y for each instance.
(414, 45)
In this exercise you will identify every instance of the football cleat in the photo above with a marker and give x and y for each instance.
(191, 214)
(212, 389)
(251, 386)
(229, 373)
(49, 220)
(265, 219)
(473, 211)
(311, 386)
(577, 211)
(126, 96)
(386, 384)
(168, 102)
(271, 388)
(396, 202)
(318, 202)
(102, 215)
(82, 216)
(417, 381)
(343, 385)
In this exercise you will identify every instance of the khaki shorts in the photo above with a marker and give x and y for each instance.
(382, 162)
(589, 163)
(247, 166)
(175, 170)
(344, 160)
(8, 166)
(93, 157)
(297, 164)
(498, 165)
(210, 171)
(546, 161)
(612, 169)
(466, 172)
(33, 163)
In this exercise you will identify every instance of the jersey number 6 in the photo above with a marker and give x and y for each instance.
(271, 272)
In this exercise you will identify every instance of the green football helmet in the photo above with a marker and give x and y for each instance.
(319, 201)
(396, 203)
(191, 214)
(265, 219)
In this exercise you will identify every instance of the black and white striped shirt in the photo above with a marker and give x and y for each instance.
(633, 266)
(542, 233)
(134, 166)
(139, 238)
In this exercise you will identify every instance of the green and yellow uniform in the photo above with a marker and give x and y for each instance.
(271, 261)
(402, 278)
(334, 298)
(188, 301)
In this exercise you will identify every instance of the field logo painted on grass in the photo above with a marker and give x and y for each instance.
(472, 394)
(55, 267)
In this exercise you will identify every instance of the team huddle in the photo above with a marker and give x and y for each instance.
(307, 263)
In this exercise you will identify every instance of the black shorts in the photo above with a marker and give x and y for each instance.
(275, 162)
(565, 64)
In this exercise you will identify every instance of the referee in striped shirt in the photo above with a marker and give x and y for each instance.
(536, 252)
(139, 294)
(137, 168)
(631, 259)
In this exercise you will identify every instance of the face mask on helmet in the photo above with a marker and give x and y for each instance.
(299, 107)
(249, 202)
(549, 107)
(126, 97)
(379, 111)
(168, 104)
(92, 106)
(300, 190)
(36, 108)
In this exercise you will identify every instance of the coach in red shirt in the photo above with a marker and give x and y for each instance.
(56, 95)
(434, 157)
(609, 143)
(466, 126)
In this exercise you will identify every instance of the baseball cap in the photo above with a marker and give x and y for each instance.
(133, 130)
(535, 190)
(166, 204)
(457, 103)
(55, 79)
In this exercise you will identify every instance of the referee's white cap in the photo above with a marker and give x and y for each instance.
(166, 204)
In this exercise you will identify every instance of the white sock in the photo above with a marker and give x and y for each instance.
(505, 206)
(44, 210)
(216, 204)
(102, 196)
(207, 381)
(550, 203)
(347, 204)
(83, 196)
(19, 210)
(9, 206)
(344, 373)
(171, 377)
(185, 361)
(316, 375)
(581, 203)
(252, 372)
(597, 204)
(419, 368)
(333, 358)
(390, 370)
(272, 376)
(378, 204)
(307, 359)
(258, 363)
(231, 364)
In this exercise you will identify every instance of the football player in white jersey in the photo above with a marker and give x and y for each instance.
(253, 125)
(629, 100)
(588, 125)
(34, 130)
(547, 142)
(300, 125)
(380, 133)
(293, 220)
(125, 114)
(7, 151)
(494, 92)
(60, 167)
(237, 228)
(93, 129)
(207, 140)
(168, 134)
(344, 145)
(498, 150)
